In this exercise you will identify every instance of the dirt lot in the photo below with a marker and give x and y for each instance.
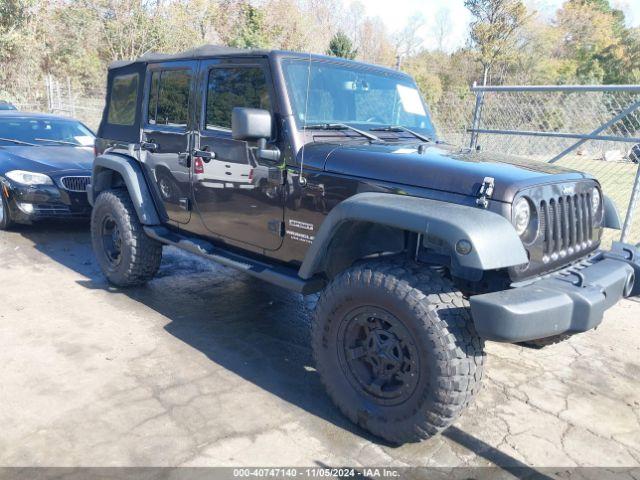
(206, 366)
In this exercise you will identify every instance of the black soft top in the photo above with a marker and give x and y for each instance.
(204, 51)
(208, 51)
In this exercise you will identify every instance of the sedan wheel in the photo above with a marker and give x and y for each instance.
(5, 216)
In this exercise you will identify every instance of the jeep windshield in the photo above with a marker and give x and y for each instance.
(356, 95)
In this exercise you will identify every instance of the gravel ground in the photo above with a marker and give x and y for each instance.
(206, 366)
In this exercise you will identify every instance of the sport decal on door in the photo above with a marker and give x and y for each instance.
(301, 236)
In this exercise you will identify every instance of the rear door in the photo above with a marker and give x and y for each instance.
(167, 137)
(231, 193)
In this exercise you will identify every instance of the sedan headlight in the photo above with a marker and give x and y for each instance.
(521, 215)
(596, 199)
(29, 178)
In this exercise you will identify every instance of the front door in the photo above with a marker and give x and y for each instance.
(232, 192)
(167, 138)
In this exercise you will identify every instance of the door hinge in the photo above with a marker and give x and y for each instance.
(277, 227)
(185, 204)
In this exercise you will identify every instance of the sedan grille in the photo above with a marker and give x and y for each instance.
(566, 225)
(75, 184)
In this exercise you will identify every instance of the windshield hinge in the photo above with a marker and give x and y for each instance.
(486, 192)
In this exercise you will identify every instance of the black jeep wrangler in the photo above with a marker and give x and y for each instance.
(324, 175)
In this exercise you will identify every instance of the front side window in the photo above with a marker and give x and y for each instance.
(124, 98)
(324, 92)
(231, 87)
(169, 98)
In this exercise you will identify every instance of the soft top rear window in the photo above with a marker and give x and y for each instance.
(124, 99)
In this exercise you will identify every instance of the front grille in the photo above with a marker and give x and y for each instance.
(566, 225)
(75, 184)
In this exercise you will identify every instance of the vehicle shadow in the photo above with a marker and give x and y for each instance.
(255, 330)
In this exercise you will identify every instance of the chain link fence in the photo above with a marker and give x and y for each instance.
(591, 129)
(59, 98)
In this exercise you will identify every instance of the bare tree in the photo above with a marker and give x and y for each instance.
(408, 40)
(442, 27)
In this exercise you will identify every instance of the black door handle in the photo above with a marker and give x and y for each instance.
(151, 146)
(205, 155)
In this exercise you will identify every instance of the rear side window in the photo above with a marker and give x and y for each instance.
(232, 87)
(124, 98)
(169, 97)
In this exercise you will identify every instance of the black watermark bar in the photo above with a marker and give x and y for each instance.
(232, 473)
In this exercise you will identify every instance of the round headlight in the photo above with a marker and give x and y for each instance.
(596, 199)
(521, 215)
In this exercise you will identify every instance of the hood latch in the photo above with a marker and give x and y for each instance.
(486, 192)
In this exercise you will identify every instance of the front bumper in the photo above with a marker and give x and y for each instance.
(572, 300)
(32, 203)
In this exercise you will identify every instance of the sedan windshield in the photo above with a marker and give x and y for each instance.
(360, 96)
(38, 131)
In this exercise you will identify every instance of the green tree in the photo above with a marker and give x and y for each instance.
(251, 31)
(341, 46)
(595, 41)
(493, 30)
(14, 15)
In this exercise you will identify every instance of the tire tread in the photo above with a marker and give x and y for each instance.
(145, 253)
(446, 318)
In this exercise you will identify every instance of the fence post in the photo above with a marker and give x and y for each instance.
(72, 103)
(49, 93)
(633, 204)
(477, 115)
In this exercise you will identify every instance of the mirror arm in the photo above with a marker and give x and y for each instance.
(271, 154)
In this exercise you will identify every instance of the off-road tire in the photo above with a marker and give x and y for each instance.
(5, 222)
(141, 255)
(437, 317)
(545, 342)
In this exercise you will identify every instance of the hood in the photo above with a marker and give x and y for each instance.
(46, 159)
(439, 167)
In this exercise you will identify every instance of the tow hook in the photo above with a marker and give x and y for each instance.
(629, 254)
(628, 288)
(486, 192)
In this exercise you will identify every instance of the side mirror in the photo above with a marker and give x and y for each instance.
(254, 124)
(250, 124)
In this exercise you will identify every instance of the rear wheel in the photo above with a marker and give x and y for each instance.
(396, 349)
(5, 215)
(126, 255)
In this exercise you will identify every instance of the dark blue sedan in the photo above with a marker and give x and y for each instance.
(45, 166)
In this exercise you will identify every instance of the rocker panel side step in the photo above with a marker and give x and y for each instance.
(281, 276)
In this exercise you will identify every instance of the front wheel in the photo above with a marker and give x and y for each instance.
(5, 214)
(396, 349)
(126, 255)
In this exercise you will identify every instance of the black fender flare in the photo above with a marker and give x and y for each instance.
(495, 243)
(611, 215)
(129, 169)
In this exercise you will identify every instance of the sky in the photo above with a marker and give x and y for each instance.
(396, 13)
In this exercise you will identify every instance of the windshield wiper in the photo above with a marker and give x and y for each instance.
(61, 142)
(343, 126)
(19, 142)
(400, 128)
